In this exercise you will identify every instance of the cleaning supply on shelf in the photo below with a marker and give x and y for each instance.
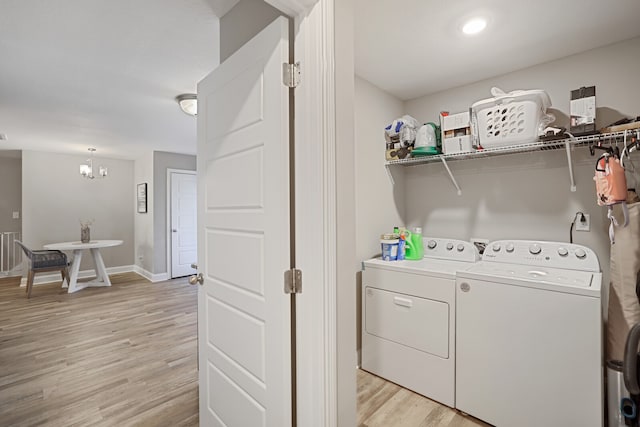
(389, 243)
(414, 247)
(402, 245)
(427, 140)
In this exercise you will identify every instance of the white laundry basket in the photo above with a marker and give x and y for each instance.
(513, 118)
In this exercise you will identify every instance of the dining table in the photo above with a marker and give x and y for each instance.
(94, 246)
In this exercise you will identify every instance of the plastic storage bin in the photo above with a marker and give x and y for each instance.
(513, 118)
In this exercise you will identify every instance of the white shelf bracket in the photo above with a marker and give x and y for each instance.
(570, 161)
(389, 174)
(453, 179)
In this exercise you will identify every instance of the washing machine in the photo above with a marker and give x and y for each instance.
(529, 336)
(409, 315)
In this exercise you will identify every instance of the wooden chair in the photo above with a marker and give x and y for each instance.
(44, 260)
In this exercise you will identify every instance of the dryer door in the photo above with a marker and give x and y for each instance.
(416, 322)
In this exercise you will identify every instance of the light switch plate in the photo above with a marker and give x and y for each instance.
(16, 215)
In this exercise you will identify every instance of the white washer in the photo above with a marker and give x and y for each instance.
(529, 336)
(408, 318)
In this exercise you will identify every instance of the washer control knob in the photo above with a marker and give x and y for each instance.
(580, 253)
(496, 247)
(562, 251)
(535, 249)
(510, 247)
(432, 244)
(460, 247)
(449, 246)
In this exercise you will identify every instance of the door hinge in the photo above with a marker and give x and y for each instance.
(293, 281)
(291, 74)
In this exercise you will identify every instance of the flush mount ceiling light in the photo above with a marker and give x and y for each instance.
(188, 103)
(86, 170)
(474, 26)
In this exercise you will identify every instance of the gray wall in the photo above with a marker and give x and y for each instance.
(527, 195)
(242, 22)
(10, 191)
(347, 264)
(517, 196)
(143, 222)
(379, 204)
(161, 162)
(55, 197)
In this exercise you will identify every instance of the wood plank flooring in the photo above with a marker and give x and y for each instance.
(127, 356)
(119, 356)
(383, 404)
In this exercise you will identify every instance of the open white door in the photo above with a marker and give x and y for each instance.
(183, 223)
(244, 334)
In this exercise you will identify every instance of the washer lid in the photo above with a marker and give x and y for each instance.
(569, 281)
(425, 266)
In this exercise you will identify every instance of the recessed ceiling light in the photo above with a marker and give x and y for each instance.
(474, 26)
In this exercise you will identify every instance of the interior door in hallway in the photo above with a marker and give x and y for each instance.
(244, 237)
(183, 223)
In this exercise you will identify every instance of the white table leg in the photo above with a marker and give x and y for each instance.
(73, 271)
(101, 270)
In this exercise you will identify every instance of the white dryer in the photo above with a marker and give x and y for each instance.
(408, 318)
(529, 336)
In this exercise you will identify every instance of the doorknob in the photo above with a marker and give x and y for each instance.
(174, 230)
(196, 279)
(194, 266)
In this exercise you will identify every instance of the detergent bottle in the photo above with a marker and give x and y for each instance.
(414, 249)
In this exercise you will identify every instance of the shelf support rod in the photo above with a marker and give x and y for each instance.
(570, 161)
(390, 175)
(453, 179)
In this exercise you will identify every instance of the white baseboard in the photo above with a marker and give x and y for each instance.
(41, 279)
(159, 277)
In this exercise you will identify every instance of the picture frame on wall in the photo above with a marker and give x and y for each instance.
(142, 197)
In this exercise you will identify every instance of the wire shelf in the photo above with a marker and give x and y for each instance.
(567, 144)
(513, 149)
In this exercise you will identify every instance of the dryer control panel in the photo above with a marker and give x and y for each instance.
(549, 254)
(450, 249)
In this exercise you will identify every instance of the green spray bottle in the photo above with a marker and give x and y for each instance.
(414, 249)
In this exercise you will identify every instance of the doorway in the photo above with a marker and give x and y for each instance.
(182, 198)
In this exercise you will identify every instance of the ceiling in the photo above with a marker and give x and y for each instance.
(412, 48)
(105, 74)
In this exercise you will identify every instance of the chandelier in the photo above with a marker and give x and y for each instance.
(87, 171)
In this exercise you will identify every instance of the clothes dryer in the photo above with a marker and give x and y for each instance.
(408, 318)
(529, 336)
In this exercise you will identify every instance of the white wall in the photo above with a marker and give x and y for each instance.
(55, 198)
(144, 238)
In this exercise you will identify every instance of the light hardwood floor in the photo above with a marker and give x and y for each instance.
(118, 356)
(385, 404)
(126, 356)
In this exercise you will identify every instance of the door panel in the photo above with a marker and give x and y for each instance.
(183, 223)
(243, 220)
